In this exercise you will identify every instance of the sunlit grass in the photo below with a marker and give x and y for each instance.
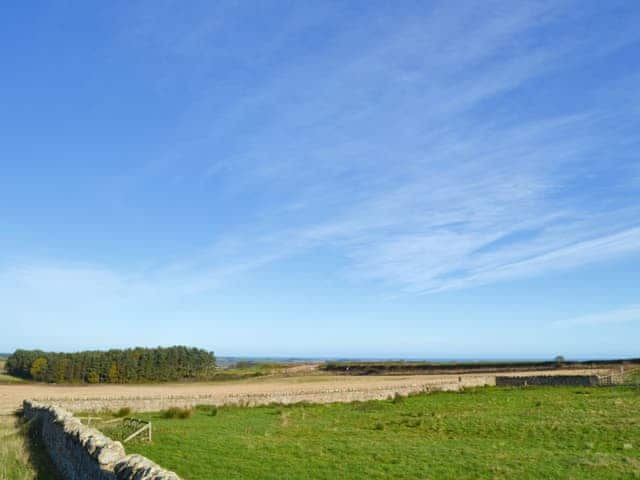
(4, 378)
(484, 433)
(633, 376)
(14, 453)
(21, 455)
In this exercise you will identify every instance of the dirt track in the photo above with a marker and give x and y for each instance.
(312, 388)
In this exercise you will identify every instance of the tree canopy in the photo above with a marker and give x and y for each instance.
(134, 365)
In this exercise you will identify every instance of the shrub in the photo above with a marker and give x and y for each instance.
(632, 377)
(397, 398)
(177, 412)
(412, 423)
(212, 410)
(123, 412)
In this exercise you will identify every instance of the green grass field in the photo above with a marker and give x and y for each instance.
(4, 377)
(22, 457)
(485, 433)
(633, 376)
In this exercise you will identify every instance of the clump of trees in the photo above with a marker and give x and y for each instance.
(134, 365)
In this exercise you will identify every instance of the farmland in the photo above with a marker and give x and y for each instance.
(260, 389)
(559, 432)
(489, 432)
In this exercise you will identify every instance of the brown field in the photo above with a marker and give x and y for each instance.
(311, 388)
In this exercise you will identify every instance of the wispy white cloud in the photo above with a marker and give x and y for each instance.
(444, 188)
(621, 315)
(403, 149)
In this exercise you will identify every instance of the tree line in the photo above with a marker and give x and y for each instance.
(134, 365)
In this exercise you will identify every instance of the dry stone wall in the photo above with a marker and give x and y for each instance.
(548, 380)
(83, 453)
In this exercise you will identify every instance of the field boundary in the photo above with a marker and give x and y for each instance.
(80, 452)
(314, 389)
(331, 395)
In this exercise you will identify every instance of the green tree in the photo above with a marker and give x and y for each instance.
(114, 366)
(113, 375)
(93, 377)
(38, 368)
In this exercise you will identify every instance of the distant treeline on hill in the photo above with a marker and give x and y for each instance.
(387, 367)
(135, 365)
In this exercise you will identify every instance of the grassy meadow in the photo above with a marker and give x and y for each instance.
(17, 454)
(482, 433)
(21, 455)
(633, 377)
(14, 456)
(4, 378)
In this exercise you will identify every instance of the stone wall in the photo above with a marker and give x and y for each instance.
(83, 453)
(340, 394)
(548, 380)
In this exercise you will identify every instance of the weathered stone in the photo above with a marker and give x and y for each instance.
(110, 454)
(548, 380)
(83, 453)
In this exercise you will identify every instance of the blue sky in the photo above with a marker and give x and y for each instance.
(417, 179)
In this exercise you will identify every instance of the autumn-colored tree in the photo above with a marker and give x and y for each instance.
(38, 368)
(113, 375)
(93, 377)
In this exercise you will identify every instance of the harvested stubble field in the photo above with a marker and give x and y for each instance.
(552, 432)
(261, 390)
